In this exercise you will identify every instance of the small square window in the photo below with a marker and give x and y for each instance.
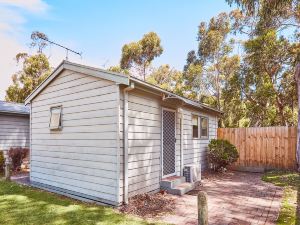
(55, 118)
(204, 127)
(195, 126)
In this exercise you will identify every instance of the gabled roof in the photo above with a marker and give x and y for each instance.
(13, 108)
(112, 76)
(92, 71)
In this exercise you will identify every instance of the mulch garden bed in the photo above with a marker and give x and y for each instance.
(149, 205)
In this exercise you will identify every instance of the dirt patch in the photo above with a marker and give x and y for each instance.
(149, 205)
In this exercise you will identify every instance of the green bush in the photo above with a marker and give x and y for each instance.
(2, 161)
(221, 153)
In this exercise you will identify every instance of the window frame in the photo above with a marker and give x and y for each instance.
(198, 134)
(60, 126)
(207, 136)
(199, 117)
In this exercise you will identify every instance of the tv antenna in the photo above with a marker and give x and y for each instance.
(64, 47)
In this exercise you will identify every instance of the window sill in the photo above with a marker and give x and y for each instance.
(201, 138)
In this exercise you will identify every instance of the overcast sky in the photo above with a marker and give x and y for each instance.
(99, 28)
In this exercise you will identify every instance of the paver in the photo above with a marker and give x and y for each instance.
(235, 198)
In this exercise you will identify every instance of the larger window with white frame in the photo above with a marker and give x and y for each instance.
(55, 118)
(199, 127)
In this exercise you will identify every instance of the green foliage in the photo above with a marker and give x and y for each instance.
(167, 78)
(268, 81)
(2, 162)
(221, 153)
(267, 77)
(211, 75)
(118, 69)
(212, 38)
(139, 55)
(265, 15)
(25, 205)
(35, 69)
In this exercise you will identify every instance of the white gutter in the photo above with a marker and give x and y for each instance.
(125, 142)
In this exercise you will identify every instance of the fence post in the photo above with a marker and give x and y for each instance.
(202, 208)
(7, 168)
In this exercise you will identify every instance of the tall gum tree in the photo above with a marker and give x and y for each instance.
(209, 69)
(139, 55)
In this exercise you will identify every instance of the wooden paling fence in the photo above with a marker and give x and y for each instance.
(267, 147)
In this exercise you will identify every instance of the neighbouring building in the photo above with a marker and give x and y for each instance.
(14, 126)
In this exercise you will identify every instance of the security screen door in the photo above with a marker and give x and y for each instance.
(169, 139)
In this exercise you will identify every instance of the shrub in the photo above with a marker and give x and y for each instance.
(221, 153)
(2, 161)
(17, 155)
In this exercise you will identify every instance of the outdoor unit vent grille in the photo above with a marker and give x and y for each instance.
(192, 173)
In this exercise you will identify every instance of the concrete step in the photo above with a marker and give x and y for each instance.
(181, 189)
(171, 182)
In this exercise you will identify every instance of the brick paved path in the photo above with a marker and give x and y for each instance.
(233, 199)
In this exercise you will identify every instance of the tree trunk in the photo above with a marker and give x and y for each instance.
(297, 77)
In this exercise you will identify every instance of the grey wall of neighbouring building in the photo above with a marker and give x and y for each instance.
(14, 125)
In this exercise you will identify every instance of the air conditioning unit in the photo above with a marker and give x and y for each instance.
(192, 173)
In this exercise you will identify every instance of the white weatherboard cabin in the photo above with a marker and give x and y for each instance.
(102, 136)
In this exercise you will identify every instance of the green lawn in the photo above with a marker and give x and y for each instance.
(291, 183)
(24, 205)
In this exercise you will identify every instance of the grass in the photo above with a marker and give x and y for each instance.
(25, 205)
(290, 181)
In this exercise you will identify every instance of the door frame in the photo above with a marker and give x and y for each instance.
(162, 141)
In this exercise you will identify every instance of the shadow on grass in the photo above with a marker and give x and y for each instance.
(24, 205)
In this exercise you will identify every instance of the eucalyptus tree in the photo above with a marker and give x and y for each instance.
(168, 78)
(272, 29)
(209, 69)
(35, 68)
(139, 55)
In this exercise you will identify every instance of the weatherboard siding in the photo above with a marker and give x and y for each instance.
(144, 144)
(195, 149)
(14, 131)
(83, 156)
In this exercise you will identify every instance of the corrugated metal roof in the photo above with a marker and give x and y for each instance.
(14, 108)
